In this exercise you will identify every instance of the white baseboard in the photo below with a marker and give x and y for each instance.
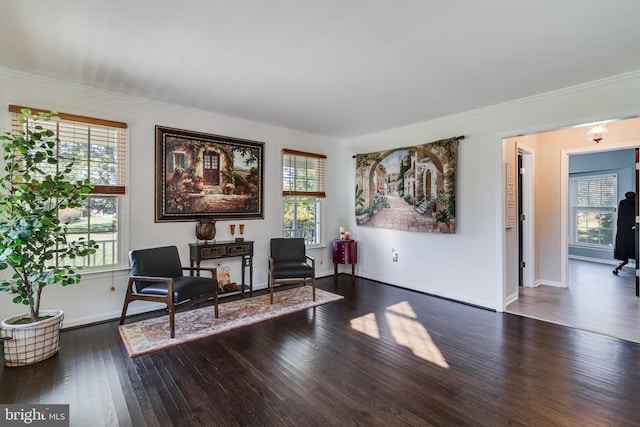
(541, 282)
(631, 265)
(511, 298)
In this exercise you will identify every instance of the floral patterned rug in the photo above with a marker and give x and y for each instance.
(151, 335)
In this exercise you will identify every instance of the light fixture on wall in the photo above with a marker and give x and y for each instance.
(597, 133)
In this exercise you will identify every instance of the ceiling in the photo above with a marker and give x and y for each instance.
(333, 67)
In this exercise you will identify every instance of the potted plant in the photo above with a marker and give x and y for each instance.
(34, 243)
(198, 183)
(188, 184)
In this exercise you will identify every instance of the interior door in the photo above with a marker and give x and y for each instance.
(520, 224)
(637, 232)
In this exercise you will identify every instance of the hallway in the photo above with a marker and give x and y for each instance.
(596, 301)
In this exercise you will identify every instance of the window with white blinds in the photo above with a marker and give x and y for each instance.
(303, 189)
(98, 149)
(302, 173)
(593, 202)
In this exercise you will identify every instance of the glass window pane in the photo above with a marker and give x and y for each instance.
(301, 218)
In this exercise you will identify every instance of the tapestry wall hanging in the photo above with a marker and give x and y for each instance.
(411, 188)
(199, 175)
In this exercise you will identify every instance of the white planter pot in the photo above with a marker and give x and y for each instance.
(31, 342)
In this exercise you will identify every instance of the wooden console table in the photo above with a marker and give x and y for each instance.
(345, 252)
(225, 249)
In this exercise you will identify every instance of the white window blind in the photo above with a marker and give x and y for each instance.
(303, 173)
(98, 147)
(593, 202)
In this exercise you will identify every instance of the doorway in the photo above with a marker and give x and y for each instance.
(550, 212)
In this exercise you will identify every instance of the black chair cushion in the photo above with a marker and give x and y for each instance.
(288, 250)
(292, 270)
(184, 288)
(158, 262)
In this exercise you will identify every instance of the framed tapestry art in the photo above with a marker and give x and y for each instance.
(410, 188)
(202, 175)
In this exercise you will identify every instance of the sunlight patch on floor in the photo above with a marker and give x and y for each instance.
(405, 330)
(367, 325)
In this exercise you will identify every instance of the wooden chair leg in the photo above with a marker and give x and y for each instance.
(127, 300)
(124, 311)
(313, 283)
(271, 280)
(215, 304)
(172, 321)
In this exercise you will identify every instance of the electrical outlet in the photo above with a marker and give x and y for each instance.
(395, 257)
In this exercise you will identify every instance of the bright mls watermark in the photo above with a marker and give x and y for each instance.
(34, 415)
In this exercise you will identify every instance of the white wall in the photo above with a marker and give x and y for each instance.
(93, 299)
(469, 266)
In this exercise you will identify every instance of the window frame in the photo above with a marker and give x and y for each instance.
(293, 191)
(117, 191)
(574, 210)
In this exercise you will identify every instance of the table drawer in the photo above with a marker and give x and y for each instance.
(215, 252)
(243, 249)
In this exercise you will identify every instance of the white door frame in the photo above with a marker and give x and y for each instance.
(564, 198)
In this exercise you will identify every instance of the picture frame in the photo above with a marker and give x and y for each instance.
(201, 175)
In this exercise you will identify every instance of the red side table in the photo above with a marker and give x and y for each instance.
(345, 252)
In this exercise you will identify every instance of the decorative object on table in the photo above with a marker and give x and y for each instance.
(241, 238)
(206, 229)
(344, 234)
(205, 175)
(147, 336)
(33, 241)
(224, 279)
(418, 183)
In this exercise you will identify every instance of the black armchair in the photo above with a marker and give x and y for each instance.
(289, 264)
(156, 276)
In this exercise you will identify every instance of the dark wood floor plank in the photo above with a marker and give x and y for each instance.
(432, 362)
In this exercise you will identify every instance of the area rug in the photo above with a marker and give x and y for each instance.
(151, 335)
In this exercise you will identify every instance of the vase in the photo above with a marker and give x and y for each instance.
(198, 186)
(25, 344)
(206, 229)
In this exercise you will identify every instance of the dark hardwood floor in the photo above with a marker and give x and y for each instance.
(382, 356)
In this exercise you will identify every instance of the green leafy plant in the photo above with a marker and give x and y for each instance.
(361, 208)
(380, 201)
(442, 216)
(33, 189)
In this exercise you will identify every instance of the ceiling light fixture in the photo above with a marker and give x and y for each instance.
(597, 133)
